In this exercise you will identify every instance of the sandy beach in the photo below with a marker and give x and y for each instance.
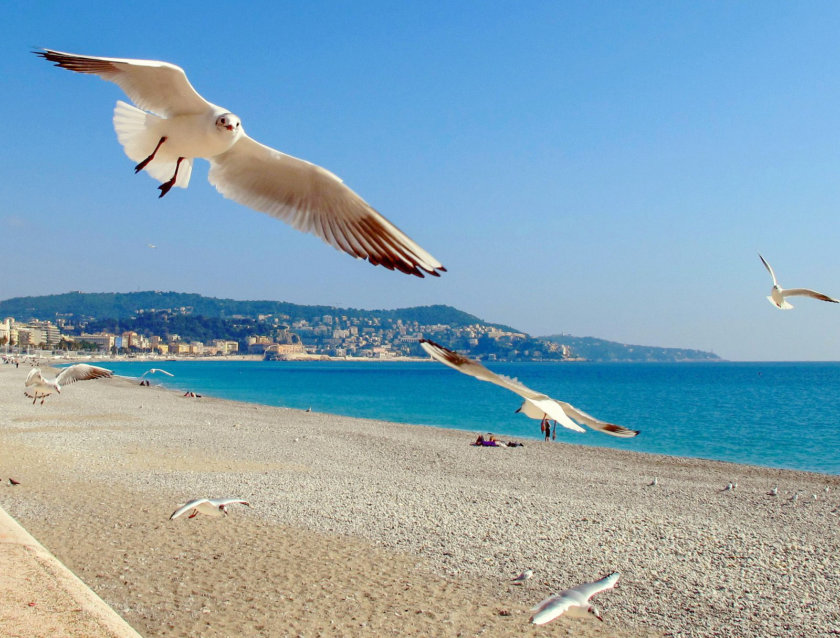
(369, 528)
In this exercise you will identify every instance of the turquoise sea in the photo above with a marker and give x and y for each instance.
(784, 415)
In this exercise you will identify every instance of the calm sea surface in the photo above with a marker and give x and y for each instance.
(783, 415)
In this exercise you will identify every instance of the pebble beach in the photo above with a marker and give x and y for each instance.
(368, 528)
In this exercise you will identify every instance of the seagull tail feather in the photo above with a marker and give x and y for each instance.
(139, 134)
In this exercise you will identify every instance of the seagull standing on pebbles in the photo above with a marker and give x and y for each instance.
(536, 405)
(778, 294)
(214, 507)
(521, 578)
(39, 387)
(774, 491)
(177, 125)
(574, 600)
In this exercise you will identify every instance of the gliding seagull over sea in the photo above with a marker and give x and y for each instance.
(39, 387)
(155, 370)
(574, 600)
(182, 125)
(536, 405)
(778, 294)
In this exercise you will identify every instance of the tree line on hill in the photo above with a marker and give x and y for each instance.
(194, 317)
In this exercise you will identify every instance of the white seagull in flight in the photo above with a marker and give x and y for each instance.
(536, 405)
(778, 294)
(574, 600)
(214, 507)
(176, 125)
(155, 370)
(39, 387)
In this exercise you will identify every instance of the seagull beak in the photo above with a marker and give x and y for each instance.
(229, 127)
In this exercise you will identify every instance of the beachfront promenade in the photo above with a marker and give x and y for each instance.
(39, 596)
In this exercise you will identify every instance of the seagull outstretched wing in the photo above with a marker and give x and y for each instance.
(82, 372)
(313, 200)
(769, 269)
(535, 405)
(153, 85)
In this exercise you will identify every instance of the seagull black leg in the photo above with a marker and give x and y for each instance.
(142, 164)
(164, 188)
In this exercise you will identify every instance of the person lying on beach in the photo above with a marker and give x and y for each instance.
(490, 441)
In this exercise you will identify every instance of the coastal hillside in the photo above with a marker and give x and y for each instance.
(174, 318)
(593, 349)
(115, 305)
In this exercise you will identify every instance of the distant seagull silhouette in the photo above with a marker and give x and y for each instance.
(155, 371)
(214, 507)
(39, 387)
(151, 245)
(536, 405)
(521, 578)
(183, 125)
(778, 294)
(574, 600)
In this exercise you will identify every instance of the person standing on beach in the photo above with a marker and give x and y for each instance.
(545, 425)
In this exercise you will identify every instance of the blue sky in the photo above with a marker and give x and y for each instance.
(598, 169)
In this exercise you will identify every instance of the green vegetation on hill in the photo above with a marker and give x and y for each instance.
(115, 305)
(593, 349)
(193, 317)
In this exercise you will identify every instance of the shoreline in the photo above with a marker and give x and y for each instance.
(524, 436)
(431, 526)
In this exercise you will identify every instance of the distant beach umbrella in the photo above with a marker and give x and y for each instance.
(778, 294)
(39, 387)
(182, 126)
(575, 601)
(214, 507)
(536, 405)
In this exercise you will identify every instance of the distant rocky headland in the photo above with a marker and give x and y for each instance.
(172, 323)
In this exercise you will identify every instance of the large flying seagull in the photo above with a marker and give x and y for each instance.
(39, 387)
(536, 404)
(778, 294)
(176, 125)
